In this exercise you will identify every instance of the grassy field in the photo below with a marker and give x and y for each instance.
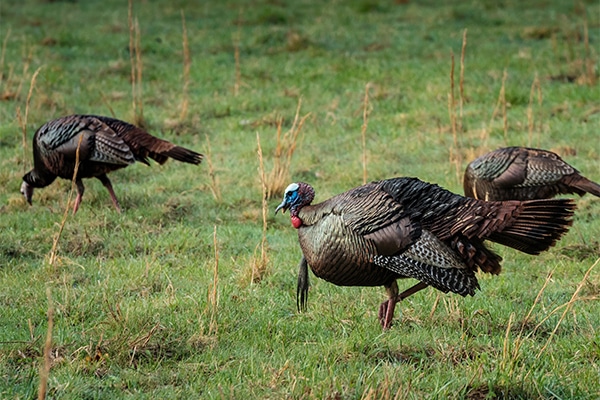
(188, 294)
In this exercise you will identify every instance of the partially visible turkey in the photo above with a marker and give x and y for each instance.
(522, 173)
(399, 228)
(105, 144)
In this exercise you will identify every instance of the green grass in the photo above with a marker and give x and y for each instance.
(130, 291)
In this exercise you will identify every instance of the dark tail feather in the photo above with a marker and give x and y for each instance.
(145, 145)
(184, 155)
(538, 226)
(586, 185)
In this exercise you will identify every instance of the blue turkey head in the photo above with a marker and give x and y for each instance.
(290, 198)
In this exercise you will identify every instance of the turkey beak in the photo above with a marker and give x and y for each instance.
(27, 192)
(283, 206)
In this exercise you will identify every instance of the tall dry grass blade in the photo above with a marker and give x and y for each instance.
(506, 358)
(53, 251)
(47, 363)
(461, 85)
(501, 104)
(530, 113)
(259, 266)
(139, 68)
(236, 56)
(213, 294)
(187, 62)
(568, 306)
(135, 59)
(434, 306)
(284, 150)
(455, 156)
(23, 120)
(452, 102)
(3, 53)
(519, 339)
(363, 131)
(588, 62)
(540, 118)
(214, 185)
(17, 92)
(107, 104)
(132, 54)
(504, 108)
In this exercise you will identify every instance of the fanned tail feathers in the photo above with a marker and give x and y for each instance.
(538, 226)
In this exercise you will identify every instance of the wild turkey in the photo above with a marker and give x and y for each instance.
(521, 173)
(105, 144)
(407, 228)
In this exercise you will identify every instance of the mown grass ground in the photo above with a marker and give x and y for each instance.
(136, 312)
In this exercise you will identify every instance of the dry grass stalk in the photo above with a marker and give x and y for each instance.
(363, 131)
(434, 306)
(501, 103)
(53, 251)
(187, 62)
(135, 58)
(504, 108)
(45, 367)
(452, 102)
(506, 356)
(589, 62)
(10, 84)
(286, 145)
(8, 92)
(568, 306)
(526, 319)
(236, 55)
(214, 185)
(107, 104)
(535, 88)
(455, 156)
(518, 341)
(259, 265)
(213, 294)
(141, 342)
(461, 85)
(23, 120)
(3, 53)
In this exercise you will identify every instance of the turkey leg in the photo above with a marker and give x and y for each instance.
(106, 182)
(386, 309)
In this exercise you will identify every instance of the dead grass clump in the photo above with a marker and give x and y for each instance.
(279, 177)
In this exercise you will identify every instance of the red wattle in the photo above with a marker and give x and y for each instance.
(296, 222)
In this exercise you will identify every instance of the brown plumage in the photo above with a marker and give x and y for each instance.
(105, 145)
(375, 234)
(521, 173)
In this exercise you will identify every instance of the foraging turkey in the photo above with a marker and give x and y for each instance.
(398, 228)
(105, 144)
(522, 173)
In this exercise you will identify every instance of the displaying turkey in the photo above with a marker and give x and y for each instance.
(105, 144)
(375, 234)
(522, 173)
